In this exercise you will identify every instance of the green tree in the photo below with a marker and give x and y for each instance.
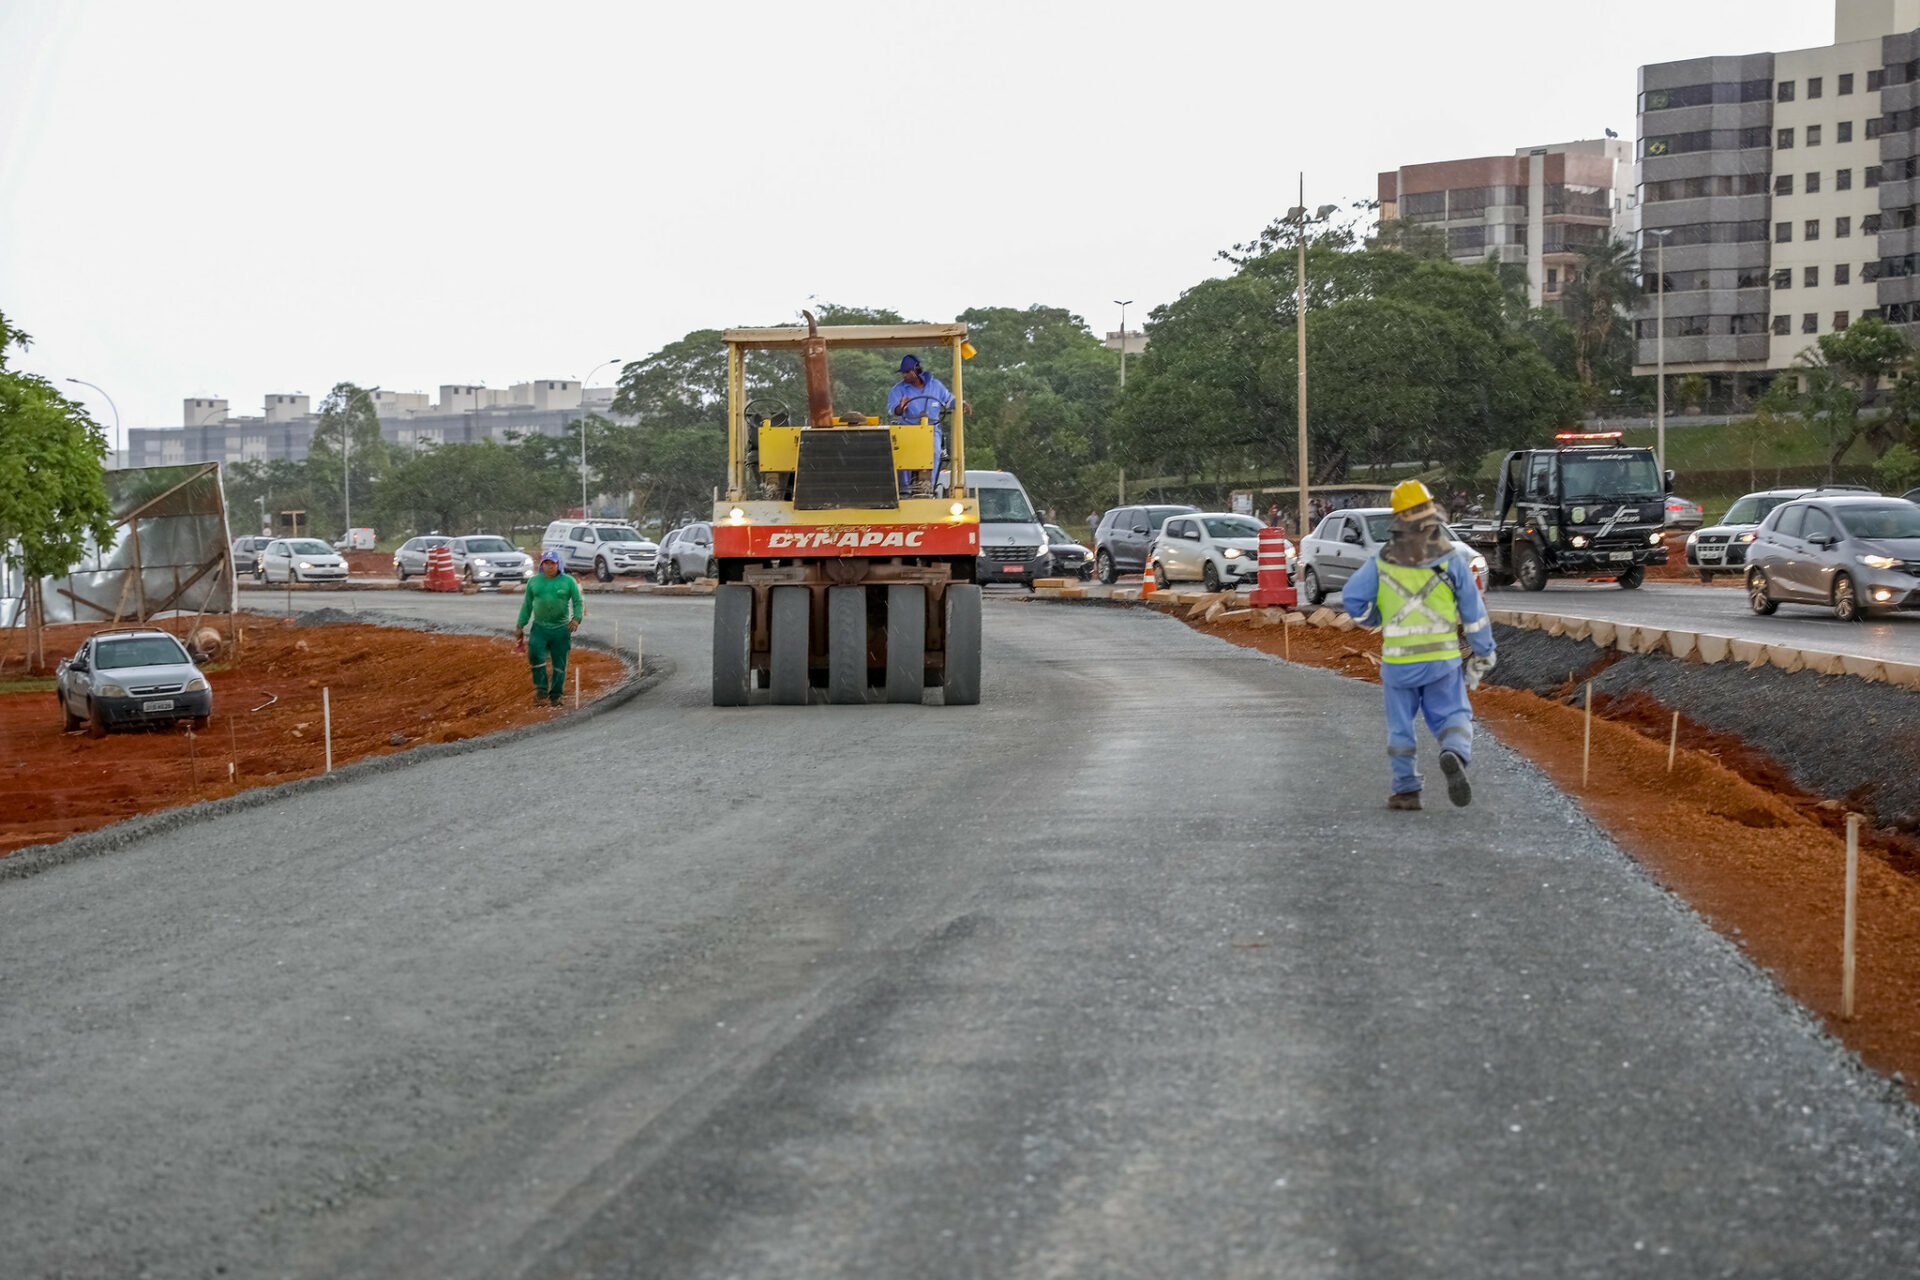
(1842, 373)
(348, 425)
(1598, 305)
(53, 498)
(467, 488)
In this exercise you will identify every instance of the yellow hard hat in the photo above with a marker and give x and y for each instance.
(1409, 494)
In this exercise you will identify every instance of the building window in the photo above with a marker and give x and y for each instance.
(1843, 273)
(1875, 79)
(1783, 141)
(1843, 179)
(1839, 321)
(1782, 326)
(1842, 228)
(1813, 135)
(1906, 218)
(1843, 132)
(1870, 225)
(1783, 278)
(1553, 279)
(1876, 127)
(1814, 86)
(1899, 313)
(1813, 184)
(1845, 85)
(1783, 184)
(1813, 229)
(1812, 277)
(1810, 323)
(1873, 175)
(1783, 233)
(1785, 93)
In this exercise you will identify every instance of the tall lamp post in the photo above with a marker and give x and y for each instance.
(1123, 337)
(1660, 346)
(346, 467)
(1299, 215)
(583, 431)
(80, 382)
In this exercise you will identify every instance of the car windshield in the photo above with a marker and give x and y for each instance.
(1004, 506)
(488, 546)
(1378, 527)
(1232, 526)
(1623, 474)
(617, 534)
(1753, 508)
(1895, 520)
(1056, 534)
(309, 547)
(138, 651)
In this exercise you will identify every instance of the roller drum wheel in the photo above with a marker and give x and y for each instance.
(962, 680)
(906, 643)
(847, 645)
(732, 644)
(787, 671)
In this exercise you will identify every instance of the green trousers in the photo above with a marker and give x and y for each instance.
(546, 644)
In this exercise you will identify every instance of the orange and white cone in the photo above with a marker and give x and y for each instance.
(1147, 585)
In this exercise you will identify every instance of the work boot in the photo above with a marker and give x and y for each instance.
(1459, 790)
(1404, 800)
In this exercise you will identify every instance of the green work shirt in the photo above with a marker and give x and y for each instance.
(551, 601)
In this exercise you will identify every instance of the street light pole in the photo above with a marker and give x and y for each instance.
(1123, 338)
(583, 431)
(1300, 354)
(110, 404)
(346, 467)
(1660, 348)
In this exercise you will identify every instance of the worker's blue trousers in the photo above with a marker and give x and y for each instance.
(1439, 691)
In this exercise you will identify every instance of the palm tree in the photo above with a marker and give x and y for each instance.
(1602, 295)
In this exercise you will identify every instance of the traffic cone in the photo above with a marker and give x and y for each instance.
(440, 574)
(1147, 585)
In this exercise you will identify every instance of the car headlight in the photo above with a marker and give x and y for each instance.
(1653, 539)
(1579, 540)
(1748, 537)
(1231, 553)
(112, 691)
(1878, 562)
(481, 571)
(306, 564)
(197, 685)
(1693, 537)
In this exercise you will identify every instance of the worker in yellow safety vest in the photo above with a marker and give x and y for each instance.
(1420, 591)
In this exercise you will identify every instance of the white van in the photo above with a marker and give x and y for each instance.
(605, 548)
(1013, 546)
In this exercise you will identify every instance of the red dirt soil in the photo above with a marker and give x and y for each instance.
(1727, 830)
(382, 681)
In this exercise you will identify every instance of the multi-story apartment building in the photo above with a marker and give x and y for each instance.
(1540, 206)
(1775, 198)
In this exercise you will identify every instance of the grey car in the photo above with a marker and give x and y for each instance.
(487, 560)
(686, 554)
(410, 558)
(1337, 547)
(1126, 534)
(1853, 553)
(137, 675)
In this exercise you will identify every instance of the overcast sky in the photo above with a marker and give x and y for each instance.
(236, 198)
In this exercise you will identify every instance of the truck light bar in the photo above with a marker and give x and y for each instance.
(1591, 435)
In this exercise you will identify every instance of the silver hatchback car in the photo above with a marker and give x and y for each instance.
(138, 675)
(1854, 554)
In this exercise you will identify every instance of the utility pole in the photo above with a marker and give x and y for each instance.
(583, 430)
(1123, 339)
(1300, 328)
(116, 408)
(1660, 350)
(346, 465)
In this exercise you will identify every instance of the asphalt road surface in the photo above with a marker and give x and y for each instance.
(1125, 972)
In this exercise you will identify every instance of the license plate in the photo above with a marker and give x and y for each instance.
(1620, 555)
(159, 704)
(1010, 568)
(1711, 557)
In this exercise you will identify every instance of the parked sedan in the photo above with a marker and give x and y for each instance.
(301, 560)
(1682, 514)
(1345, 540)
(690, 555)
(1218, 549)
(132, 676)
(410, 560)
(1853, 553)
(1125, 536)
(1070, 558)
(489, 561)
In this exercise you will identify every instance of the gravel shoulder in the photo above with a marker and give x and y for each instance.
(1125, 972)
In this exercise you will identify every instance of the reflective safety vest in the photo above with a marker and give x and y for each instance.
(1421, 617)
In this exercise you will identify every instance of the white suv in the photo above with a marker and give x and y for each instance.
(605, 548)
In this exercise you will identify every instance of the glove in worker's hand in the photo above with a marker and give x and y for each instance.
(1477, 667)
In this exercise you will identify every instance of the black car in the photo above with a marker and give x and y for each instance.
(1070, 558)
(1125, 534)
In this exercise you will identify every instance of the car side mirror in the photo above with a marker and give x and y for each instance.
(1669, 481)
(1823, 540)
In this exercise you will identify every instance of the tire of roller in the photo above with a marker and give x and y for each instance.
(906, 643)
(732, 644)
(789, 634)
(962, 681)
(846, 645)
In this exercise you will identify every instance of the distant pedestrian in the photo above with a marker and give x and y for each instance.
(553, 601)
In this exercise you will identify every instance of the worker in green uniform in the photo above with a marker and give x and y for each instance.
(554, 603)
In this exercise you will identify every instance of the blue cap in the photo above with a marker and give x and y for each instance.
(553, 554)
(909, 362)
